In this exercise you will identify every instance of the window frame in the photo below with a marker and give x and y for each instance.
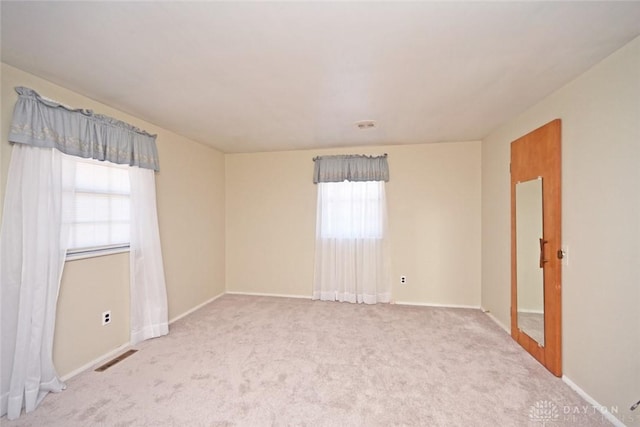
(100, 250)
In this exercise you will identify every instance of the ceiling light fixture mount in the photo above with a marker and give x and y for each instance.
(366, 124)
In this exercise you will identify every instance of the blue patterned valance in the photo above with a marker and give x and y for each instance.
(41, 122)
(350, 168)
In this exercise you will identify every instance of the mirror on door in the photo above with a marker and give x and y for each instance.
(530, 259)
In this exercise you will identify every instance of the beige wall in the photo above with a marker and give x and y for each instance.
(83, 297)
(433, 199)
(600, 111)
(190, 197)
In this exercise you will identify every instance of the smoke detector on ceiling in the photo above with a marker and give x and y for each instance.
(366, 124)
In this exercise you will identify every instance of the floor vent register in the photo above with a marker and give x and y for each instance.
(114, 361)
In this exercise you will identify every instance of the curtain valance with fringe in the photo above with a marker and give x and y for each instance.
(40, 122)
(350, 168)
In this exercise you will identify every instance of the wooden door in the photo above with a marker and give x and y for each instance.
(537, 156)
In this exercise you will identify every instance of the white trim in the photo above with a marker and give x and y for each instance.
(429, 304)
(96, 362)
(420, 304)
(197, 307)
(531, 311)
(495, 319)
(260, 294)
(83, 254)
(606, 414)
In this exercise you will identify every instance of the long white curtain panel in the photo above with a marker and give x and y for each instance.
(149, 315)
(352, 259)
(33, 245)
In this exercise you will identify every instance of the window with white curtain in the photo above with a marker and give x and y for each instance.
(352, 261)
(51, 190)
(100, 214)
(351, 210)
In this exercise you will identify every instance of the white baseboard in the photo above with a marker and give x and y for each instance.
(428, 304)
(261, 294)
(420, 304)
(96, 362)
(196, 308)
(600, 408)
(531, 311)
(496, 321)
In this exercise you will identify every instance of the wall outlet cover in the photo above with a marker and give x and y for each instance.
(106, 317)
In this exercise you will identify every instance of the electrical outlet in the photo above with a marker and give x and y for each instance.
(106, 317)
(403, 280)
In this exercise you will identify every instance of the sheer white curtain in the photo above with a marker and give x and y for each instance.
(352, 260)
(149, 316)
(33, 244)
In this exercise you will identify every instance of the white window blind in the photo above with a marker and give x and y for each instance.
(101, 207)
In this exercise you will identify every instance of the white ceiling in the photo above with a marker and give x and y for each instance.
(266, 76)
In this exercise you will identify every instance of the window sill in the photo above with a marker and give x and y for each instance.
(95, 253)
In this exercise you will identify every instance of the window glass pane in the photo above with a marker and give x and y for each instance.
(119, 181)
(100, 234)
(93, 177)
(85, 235)
(119, 233)
(351, 210)
(120, 209)
(101, 205)
(92, 207)
(83, 207)
(84, 175)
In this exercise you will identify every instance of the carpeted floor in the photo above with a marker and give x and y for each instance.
(260, 361)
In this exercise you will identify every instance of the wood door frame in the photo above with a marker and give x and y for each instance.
(538, 154)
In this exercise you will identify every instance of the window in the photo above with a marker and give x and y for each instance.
(100, 213)
(351, 210)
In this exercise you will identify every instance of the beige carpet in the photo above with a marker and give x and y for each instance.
(259, 361)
